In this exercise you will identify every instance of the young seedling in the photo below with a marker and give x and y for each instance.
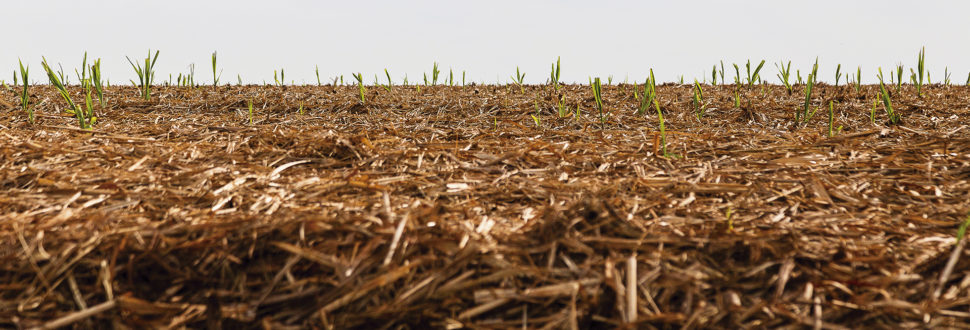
(562, 107)
(698, 100)
(798, 74)
(434, 74)
(714, 75)
(146, 74)
(858, 79)
(300, 110)
(554, 75)
(833, 131)
(215, 77)
(887, 103)
(239, 80)
(917, 76)
(451, 77)
(389, 83)
(518, 79)
(316, 70)
(784, 71)
(281, 79)
(872, 111)
(962, 230)
(753, 76)
(597, 89)
(96, 81)
(463, 79)
(838, 75)
(946, 76)
(899, 77)
(360, 86)
(24, 94)
(721, 72)
(807, 112)
(84, 116)
(737, 76)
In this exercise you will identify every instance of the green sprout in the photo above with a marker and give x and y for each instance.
(146, 74)
(721, 72)
(872, 111)
(698, 100)
(833, 131)
(714, 75)
(858, 79)
(389, 83)
(215, 77)
(360, 86)
(784, 71)
(281, 79)
(462, 78)
(899, 77)
(753, 76)
(917, 76)
(239, 79)
(946, 76)
(963, 227)
(300, 110)
(597, 95)
(807, 112)
(554, 75)
(838, 75)
(649, 93)
(737, 76)
(434, 75)
(562, 107)
(887, 103)
(25, 95)
(737, 99)
(84, 116)
(798, 75)
(316, 70)
(518, 79)
(96, 81)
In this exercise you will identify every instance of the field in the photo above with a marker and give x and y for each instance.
(486, 207)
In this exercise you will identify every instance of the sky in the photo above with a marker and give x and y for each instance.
(485, 39)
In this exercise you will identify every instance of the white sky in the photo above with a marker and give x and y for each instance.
(488, 39)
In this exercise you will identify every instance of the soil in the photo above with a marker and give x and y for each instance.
(451, 207)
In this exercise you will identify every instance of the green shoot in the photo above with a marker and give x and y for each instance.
(597, 89)
(84, 117)
(316, 70)
(887, 103)
(963, 229)
(554, 75)
(858, 79)
(784, 71)
(968, 79)
(249, 103)
(360, 86)
(146, 74)
(833, 131)
(753, 76)
(434, 74)
(462, 78)
(518, 79)
(239, 80)
(536, 120)
(872, 112)
(737, 99)
(25, 95)
(451, 77)
(798, 74)
(82, 76)
(649, 93)
(721, 72)
(215, 77)
(838, 75)
(389, 83)
(609, 80)
(807, 111)
(96, 81)
(698, 100)
(917, 76)
(300, 110)
(946, 76)
(714, 75)
(563, 108)
(899, 77)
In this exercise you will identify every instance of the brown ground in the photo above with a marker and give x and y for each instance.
(178, 212)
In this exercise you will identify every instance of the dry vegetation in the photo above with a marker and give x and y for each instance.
(449, 208)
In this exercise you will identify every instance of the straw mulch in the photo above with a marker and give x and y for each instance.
(448, 208)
